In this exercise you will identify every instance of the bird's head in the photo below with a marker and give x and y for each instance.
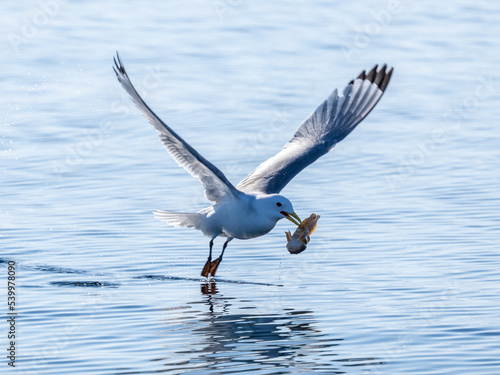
(279, 207)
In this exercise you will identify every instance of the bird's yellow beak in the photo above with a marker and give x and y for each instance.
(293, 217)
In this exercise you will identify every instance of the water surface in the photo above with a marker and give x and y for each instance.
(402, 275)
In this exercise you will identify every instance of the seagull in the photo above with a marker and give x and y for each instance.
(254, 206)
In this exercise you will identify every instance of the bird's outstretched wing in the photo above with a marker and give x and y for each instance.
(215, 184)
(330, 123)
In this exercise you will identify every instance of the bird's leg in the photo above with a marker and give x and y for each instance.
(215, 264)
(211, 244)
(224, 248)
(206, 269)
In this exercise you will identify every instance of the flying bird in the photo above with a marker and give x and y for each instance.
(254, 206)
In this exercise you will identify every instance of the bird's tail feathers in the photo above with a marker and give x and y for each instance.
(178, 219)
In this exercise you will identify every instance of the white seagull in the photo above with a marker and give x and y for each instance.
(254, 206)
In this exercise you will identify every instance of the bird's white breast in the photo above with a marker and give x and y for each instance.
(239, 219)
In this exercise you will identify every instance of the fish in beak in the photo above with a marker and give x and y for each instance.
(293, 217)
(297, 242)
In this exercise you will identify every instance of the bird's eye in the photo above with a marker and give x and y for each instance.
(279, 204)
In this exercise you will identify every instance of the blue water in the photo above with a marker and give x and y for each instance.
(402, 275)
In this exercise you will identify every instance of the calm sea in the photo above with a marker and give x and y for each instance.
(402, 275)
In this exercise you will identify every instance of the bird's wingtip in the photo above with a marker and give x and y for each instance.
(119, 68)
(379, 77)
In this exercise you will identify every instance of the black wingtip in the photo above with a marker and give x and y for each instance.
(371, 76)
(362, 75)
(380, 78)
(386, 80)
(119, 68)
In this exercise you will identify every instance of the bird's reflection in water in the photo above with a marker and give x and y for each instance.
(209, 287)
(225, 335)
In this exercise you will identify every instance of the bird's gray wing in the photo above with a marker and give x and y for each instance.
(215, 184)
(330, 123)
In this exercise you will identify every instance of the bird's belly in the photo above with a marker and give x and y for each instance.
(246, 229)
